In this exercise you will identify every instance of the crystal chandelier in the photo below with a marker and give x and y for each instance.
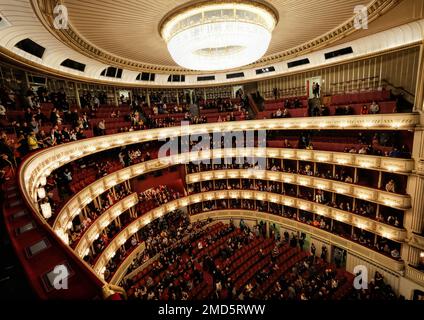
(218, 35)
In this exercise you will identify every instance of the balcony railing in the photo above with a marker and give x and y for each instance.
(398, 201)
(350, 246)
(106, 218)
(42, 163)
(38, 166)
(148, 217)
(415, 275)
(85, 196)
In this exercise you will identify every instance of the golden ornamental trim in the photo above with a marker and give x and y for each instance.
(44, 11)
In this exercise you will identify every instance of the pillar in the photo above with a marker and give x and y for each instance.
(77, 97)
(419, 91)
(148, 98)
(414, 218)
(115, 96)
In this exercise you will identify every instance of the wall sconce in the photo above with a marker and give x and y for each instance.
(363, 196)
(365, 165)
(392, 168)
(43, 181)
(46, 210)
(41, 192)
(390, 203)
(361, 225)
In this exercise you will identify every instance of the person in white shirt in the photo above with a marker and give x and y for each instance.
(363, 150)
(374, 108)
(395, 253)
(279, 113)
(96, 102)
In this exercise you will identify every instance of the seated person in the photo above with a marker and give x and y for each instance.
(390, 186)
(395, 253)
(279, 113)
(374, 108)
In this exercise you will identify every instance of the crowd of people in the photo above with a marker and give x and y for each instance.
(162, 233)
(156, 236)
(168, 236)
(181, 274)
(84, 220)
(308, 279)
(158, 195)
(183, 265)
(377, 289)
(363, 208)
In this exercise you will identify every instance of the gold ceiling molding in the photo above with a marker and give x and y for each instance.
(44, 11)
(197, 4)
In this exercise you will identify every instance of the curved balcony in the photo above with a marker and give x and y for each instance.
(339, 215)
(38, 166)
(93, 232)
(85, 196)
(415, 275)
(397, 201)
(350, 246)
(417, 241)
(320, 234)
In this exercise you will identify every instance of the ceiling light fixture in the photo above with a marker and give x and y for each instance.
(219, 35)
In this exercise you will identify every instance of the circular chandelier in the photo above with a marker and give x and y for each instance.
(219, 35)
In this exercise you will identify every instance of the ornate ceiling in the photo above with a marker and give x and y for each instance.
(126, 31)
(125, 34)
(129, 29)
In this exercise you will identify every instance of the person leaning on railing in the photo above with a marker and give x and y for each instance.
(32, 141)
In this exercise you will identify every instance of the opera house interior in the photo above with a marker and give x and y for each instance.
(223, 150)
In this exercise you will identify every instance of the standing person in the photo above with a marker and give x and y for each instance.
(324, 253)
(101, 128)
(275, 93)
(313, 249)
(32, 141)
(317, 89)
(301, 242)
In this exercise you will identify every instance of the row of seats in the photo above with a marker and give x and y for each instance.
(385, 107)
(360, 97)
